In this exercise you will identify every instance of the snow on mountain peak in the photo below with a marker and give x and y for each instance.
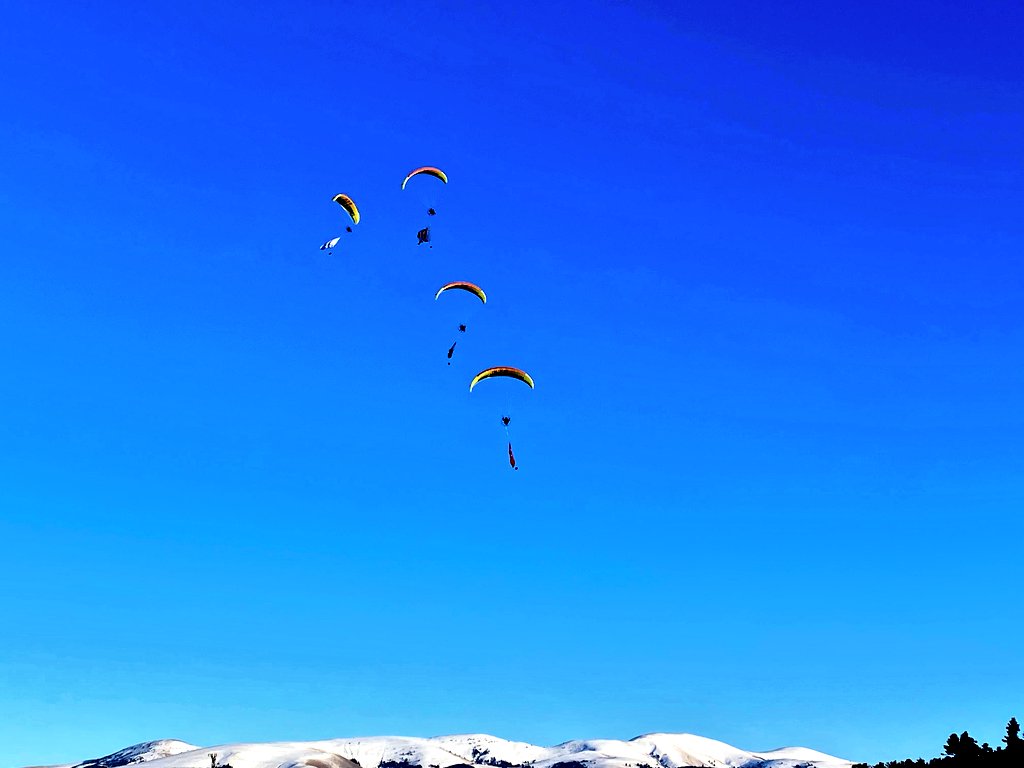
(653, 750)
(675, 750)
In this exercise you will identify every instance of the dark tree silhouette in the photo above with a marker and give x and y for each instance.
(952, 747)
(963, 751)
(968, 746)
(1012, 739)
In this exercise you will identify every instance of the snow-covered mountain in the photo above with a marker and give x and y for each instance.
(655, 750)
(137, 753)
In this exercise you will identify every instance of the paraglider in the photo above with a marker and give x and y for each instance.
(437, 173)
(423, 236)
(470, 288)
(429, 170)
(507, 372)
(349, 205)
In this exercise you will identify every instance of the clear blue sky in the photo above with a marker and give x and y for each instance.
(763, 260)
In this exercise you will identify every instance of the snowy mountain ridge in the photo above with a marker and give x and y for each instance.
(655, 750)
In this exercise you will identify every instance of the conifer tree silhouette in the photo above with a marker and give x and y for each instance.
(952, 746)
(1012, 739)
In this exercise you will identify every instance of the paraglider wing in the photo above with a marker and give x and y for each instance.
(430, 170)
(476, 290)
(330, 244)
(501, 370)
(350, 207)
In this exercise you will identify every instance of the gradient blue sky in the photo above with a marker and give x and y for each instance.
(763, 260)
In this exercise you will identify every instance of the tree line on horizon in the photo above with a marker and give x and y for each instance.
(964, 751)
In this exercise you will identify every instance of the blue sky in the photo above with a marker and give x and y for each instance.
(764, 264)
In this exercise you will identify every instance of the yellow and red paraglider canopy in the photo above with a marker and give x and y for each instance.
(349, 205)
(502, 370)
(462, 285)
(429, 170)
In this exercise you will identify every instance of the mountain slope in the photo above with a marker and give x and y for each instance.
(140, 753)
